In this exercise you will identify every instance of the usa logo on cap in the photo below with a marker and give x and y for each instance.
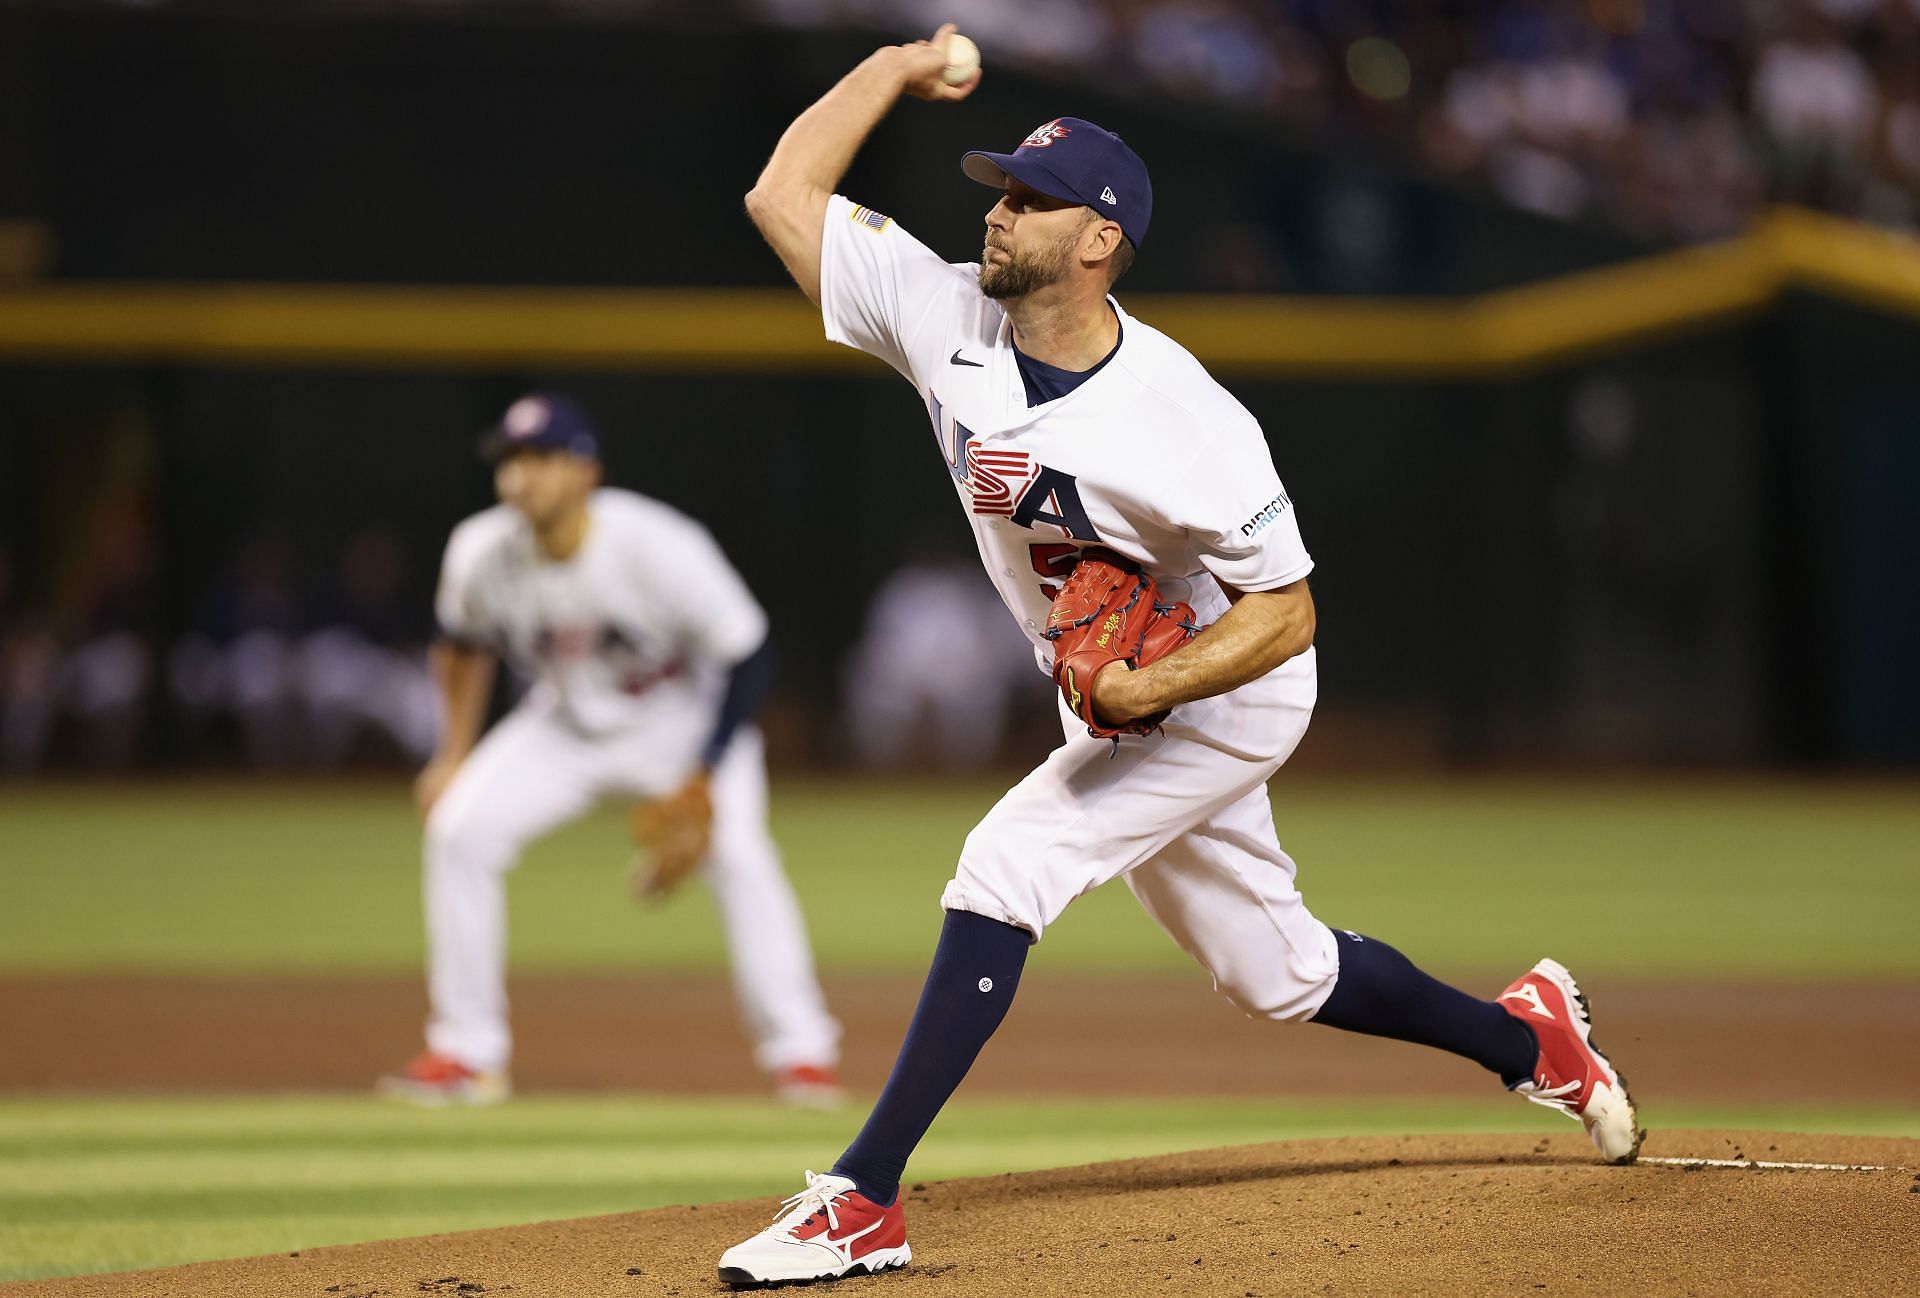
(1043, 136)
(1079, 161)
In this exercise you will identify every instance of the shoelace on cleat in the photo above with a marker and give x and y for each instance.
(1556, 1097)
(817, 1197)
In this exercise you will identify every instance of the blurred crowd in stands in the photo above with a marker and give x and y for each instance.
(129, 639)
(1672, 118)
(270, 673)
(280, 673)
(940, 674)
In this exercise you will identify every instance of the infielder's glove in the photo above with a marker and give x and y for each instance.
(671, 836)
(1109, 611)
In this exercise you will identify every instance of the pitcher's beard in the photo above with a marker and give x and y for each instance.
(1019, 276)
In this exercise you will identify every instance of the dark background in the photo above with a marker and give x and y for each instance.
(1697, 552)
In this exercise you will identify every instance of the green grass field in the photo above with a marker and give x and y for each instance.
(114, 1185)
(1729, 879)
(1721, 879)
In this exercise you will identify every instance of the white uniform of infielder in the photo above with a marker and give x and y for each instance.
(1065, 423)
(628, 644)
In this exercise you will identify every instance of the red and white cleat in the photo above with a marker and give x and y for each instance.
(435, 1081)
(809, 1086)
(1571, 1074)
(826, 1231)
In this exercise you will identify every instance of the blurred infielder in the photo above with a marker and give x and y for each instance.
(1120, 498)
(649, 659)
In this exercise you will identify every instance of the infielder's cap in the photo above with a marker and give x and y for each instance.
(1077, 161)
(542, 421)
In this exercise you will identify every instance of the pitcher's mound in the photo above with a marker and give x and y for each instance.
(1415, 1214)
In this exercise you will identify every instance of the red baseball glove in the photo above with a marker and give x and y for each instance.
(1109, 611)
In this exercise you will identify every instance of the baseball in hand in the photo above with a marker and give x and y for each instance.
(963, 60)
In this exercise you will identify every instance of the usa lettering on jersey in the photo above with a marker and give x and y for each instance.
(1009, 484)
(1053, 500)
(995, 478)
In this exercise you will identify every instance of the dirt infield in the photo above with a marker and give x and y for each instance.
(1455, 1215)
(1729, 1043)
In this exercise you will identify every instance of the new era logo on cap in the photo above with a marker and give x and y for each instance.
(1075, 160)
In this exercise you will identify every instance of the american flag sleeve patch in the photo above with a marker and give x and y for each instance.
(868, 217)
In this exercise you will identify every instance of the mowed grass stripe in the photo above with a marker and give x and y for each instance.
(77, 1129)
(304, 1201)
(348, 1142)
(336, 1139)
(1772, 878)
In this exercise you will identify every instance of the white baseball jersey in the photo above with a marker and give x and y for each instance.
(1149, 457)
(636, 630)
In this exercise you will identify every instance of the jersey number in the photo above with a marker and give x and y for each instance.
(1052, 559)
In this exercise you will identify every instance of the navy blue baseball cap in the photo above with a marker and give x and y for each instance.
(543, 421)
(1078, 162)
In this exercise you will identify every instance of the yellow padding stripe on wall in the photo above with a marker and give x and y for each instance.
(775, 330)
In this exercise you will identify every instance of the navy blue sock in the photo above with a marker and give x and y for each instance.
(1380, 993)
(976, 969)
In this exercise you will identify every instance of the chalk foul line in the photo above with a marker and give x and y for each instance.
(1770, 1166)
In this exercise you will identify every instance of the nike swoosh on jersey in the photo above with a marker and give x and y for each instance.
(958, 359)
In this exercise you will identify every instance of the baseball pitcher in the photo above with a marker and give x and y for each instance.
(1128, 511)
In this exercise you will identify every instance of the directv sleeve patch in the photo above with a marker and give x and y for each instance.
(1268, 512)
(871, 219)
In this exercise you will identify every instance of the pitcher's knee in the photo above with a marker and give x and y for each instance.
(983, 894)
(1289, 990)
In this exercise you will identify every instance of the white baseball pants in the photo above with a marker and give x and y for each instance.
(533, 773)
(1184, 816)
